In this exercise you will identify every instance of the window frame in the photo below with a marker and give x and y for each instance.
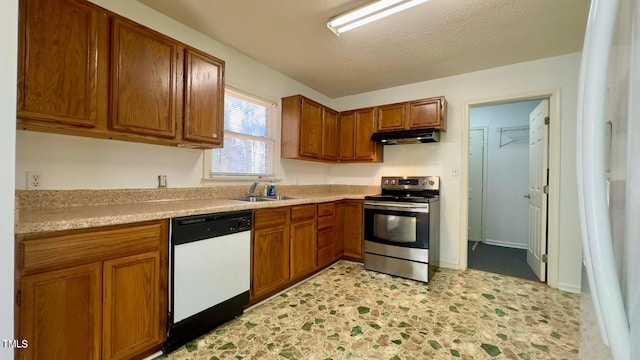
(273, 129)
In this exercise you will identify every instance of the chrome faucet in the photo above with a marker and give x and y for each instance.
(252, 189)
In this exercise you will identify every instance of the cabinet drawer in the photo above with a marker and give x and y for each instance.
(325, 238)
(270, 217)
(325, 222)
(326, 209)
(303, 212)
(71, 248)
(325, 256)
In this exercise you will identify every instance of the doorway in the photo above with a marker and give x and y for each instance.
(502, 223)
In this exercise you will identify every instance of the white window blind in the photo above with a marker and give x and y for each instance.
(249, 143)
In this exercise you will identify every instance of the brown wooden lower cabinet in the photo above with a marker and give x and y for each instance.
(327, 234)
(350, 230)
(61, 314)
(303, 241)
(109, 303)
(291, 243)
(269, 252)
(131, 306)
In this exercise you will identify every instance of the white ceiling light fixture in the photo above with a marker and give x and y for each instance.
(369, 13)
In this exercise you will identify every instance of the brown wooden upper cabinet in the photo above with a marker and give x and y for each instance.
(203, 98)
(308, 130)
(144, 66)
(311, 131)
(428, 113)
(391, 117)
(356, 127)
(418, 114)
(347, 130)
(330, 135)
(365, 149)
(58, 63)
(85, 71)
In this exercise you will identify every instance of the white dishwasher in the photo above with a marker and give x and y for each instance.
(209, 273)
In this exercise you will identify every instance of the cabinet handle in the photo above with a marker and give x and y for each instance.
(215, 136)
(527, 196)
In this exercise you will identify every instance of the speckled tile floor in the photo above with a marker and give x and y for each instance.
(347, 312)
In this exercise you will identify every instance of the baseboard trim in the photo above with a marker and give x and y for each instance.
(447, 265)
(572, 288)
(506, 244)
(153, 356)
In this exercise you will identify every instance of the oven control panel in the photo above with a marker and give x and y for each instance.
(410, 182)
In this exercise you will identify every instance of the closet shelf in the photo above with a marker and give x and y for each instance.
(513, 135)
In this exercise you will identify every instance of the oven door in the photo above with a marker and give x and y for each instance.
(398, 224)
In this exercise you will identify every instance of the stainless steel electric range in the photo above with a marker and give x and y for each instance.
(402, 227)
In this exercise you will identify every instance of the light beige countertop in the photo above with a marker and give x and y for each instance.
(44, 211)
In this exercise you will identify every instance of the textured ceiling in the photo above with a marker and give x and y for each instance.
(436, 39)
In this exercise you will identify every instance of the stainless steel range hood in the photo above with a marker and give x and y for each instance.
(406, 137)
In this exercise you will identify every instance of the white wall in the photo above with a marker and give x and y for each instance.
(513, 81)
(8, 65)
(507, 173)
(72, 162)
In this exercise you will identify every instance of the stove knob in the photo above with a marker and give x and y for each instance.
(424, 182)
(393, 182)
(431, 182)
(386, 181)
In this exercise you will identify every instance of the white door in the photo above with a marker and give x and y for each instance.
(538, 167)
(476, 183)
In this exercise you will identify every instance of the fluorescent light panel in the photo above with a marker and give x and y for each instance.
(369, 13)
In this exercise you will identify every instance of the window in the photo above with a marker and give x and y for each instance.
(249, 143)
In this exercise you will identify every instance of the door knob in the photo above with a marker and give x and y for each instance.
(527, 196)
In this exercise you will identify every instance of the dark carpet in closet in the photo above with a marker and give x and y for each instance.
(500, 260)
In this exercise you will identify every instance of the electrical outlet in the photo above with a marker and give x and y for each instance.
(34, 180)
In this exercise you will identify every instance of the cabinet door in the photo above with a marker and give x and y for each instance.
(303, 248)
(57, 64)
(330, 135)
(204, 98)
(61, 314)
(338, 244)
(425, 114)
(326, 239)
(311, 129)
(391, 117)
(347, 127)
(270, 260)
(352, 230)
(143, 80)
(132, 306)
(365, 149)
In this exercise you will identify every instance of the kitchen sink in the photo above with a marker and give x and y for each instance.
(252, 199)
(279, 197)
(264, 198)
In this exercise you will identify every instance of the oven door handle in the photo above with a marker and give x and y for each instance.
(397, 207)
